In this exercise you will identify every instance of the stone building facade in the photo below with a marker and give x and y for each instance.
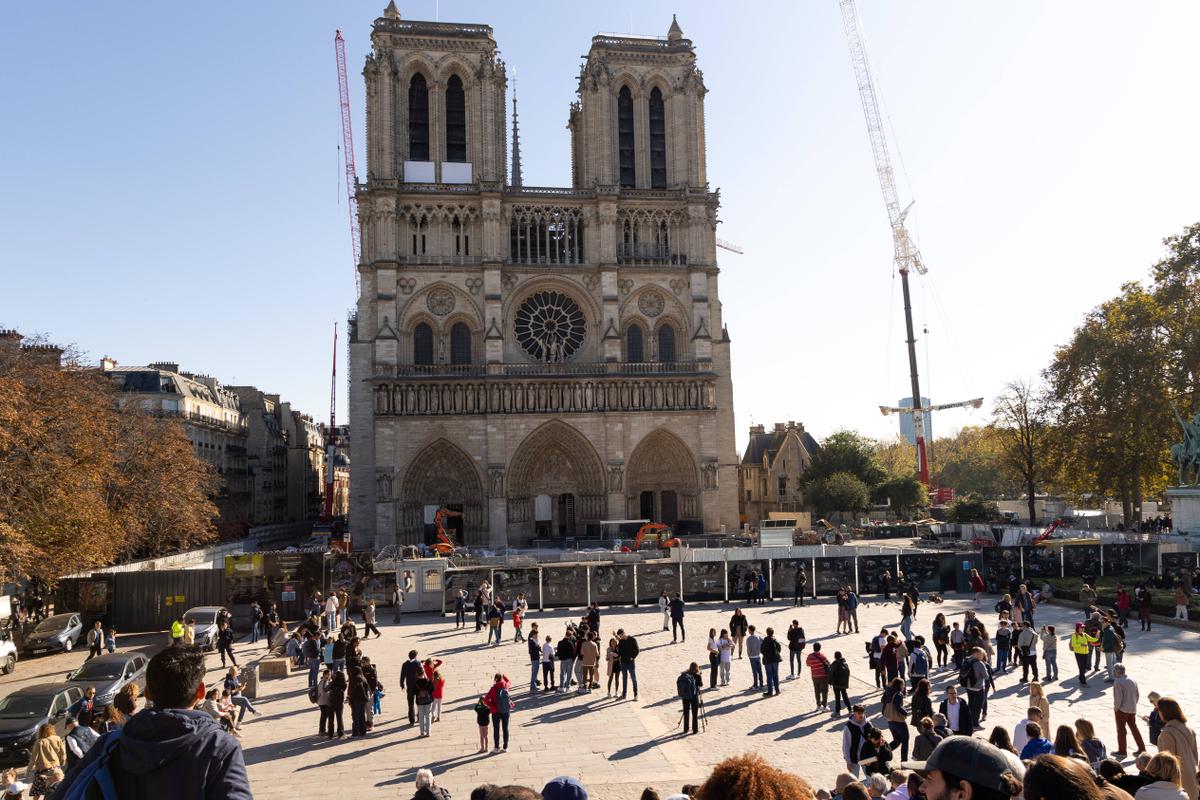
(538, 359)
(771, 470)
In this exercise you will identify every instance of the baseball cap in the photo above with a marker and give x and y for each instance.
(971, 759)
(564, 788)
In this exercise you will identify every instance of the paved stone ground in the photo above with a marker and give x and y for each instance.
(618, 747)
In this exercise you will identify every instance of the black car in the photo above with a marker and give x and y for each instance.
(25, 710)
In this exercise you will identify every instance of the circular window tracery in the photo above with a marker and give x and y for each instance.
(549, 326)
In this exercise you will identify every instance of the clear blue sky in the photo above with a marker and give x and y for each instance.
(170, 186)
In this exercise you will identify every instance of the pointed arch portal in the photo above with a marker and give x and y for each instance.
(442, 475)
(663, 483)
(556, 484)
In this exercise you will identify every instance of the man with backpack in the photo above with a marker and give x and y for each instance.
(687, 686)
(772, 655)
(918, 661)
(973, 676)
(166, 751)
(256, 621)
(839, 681)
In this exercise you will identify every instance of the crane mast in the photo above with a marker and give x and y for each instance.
(339, 46)
(904, 252)
(331, 437)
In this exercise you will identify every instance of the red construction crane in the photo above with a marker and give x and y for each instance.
(339, 46)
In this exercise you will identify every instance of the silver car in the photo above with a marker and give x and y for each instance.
(60, 632)
(108, 674)
(206, 624)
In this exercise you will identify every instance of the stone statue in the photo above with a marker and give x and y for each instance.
(1186, 454)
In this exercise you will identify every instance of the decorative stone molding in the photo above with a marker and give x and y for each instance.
(616, 477)
(709, 473)
(625, 286)
(678, 285)
(651, 303)
(496, 481)
(474, 285)
(407, 285)
(440, 301)
(383, 486)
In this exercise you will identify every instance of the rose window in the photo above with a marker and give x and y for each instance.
(549, 326)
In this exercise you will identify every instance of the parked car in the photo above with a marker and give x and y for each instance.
(108, 674)
(8, 653)
(25, 710)
(206, 624)
(60, 632)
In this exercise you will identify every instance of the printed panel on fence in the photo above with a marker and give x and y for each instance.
(1173, 562)
(653, 578)
(784, 572)
(743, 580)
(923, 568)
(1001, 568)
(704, 581)
(871, 571)
(612, 584)
(1122, 559)
(469, 580)
(833, 574)
(1041, 562)
(508, 582)
(564, 586)
(1081, 561)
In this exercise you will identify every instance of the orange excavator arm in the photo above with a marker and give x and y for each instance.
(444, 543)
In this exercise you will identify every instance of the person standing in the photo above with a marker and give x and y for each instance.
(977, 586)
(801, 586)
(566, 661)
(754, 653)
(956, 712)
(1181, 603)
(796, 644)
(535, 656)
(331, 612)
(687, 686)
(664, 605)
(478, 606)
(1110, 645)
(548, 665)
(1081, 644)
(839, 681)
(482, 715)
(256, 622)
(410, 672)
(460, 609)
(738, 625)
(725, 656)
(772, 655)
(1027, 648)
(495, 621)
(424, 701)
(95, 640)
(369, 620)
(818, 668)
(398, 601)
(977, 684)
(1145, 600)
(906, 617)
(1177, 738)
(517, 619)
(358, 693)
(852, 603)
(856, 746)
(627, 651)
(337, 703)
(677, 629)
(714, 658)
(500, 705)
(919, 661)
(612, 658)
(1125, 699)
(589, 656)
(1049, 651)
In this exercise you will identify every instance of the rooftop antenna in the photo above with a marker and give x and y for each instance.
(516, 143)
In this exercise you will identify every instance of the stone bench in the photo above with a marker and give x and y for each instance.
(270, 668)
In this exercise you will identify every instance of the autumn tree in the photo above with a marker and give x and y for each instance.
(1022, 429)
(969, 463)
(1176, 290)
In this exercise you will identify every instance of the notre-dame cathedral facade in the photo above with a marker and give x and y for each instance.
(537, 359)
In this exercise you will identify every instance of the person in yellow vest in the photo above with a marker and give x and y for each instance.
(177, 631)
(1081, 644)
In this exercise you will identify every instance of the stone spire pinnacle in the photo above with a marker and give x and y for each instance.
(391, 12)
(675, 33)
(516, 138)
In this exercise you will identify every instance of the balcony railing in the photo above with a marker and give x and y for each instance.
(537, 369)
(649, 255)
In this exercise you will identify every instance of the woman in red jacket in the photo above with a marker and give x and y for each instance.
(501, 705)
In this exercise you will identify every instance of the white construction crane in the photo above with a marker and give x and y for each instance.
(904, 252)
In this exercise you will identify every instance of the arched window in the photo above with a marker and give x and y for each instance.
(456, 120)
(418, 119)
(423, 344)
(634, 351)
(460, 344)
(625, 135)
(658, 140)
(666, 344)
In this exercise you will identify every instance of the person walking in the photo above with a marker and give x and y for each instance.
(517, 618)
(918, 662)
(627, 652)
(548, 665)
(977, 586)
(1081, 644)
(47, 758)
(368, 614)
(772, 655)
(975, 671)
(738, 625)
(921, 706)
(896, 715)
(500, 705)
(856, 746)
(410, 672)
(852, 604)
(796, 643)
(940, 634)
(495, 621)
(664, 605)
(1125, 699)
(754, 653)
(839, 681)
(1181, 603)
(677, 630)
(818, 668)
(225, 643)
(688, 686)
(800, 587)
(1180, 740)
(906, 617)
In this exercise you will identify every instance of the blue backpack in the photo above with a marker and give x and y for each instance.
(96, 771)
(503, 701)
(920, 665)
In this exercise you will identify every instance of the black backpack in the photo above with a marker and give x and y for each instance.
(966, 673)
(839, 673)
(566, 650)
(685, 686)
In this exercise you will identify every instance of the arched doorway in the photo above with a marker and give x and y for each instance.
(442, 475)
(556, 485)
(663, 484)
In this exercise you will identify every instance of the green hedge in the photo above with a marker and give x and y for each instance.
(1066, 590)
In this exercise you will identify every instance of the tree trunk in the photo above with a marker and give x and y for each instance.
(1029, 488)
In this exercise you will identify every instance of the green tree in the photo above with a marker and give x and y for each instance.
(846, 451)
(972, 508)
(904, 493)
(841, 491)
(1112, 399)
(1176, 289)
(1022, 428)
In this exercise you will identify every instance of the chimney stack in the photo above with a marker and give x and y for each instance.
(108, 364)
(165, 366)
